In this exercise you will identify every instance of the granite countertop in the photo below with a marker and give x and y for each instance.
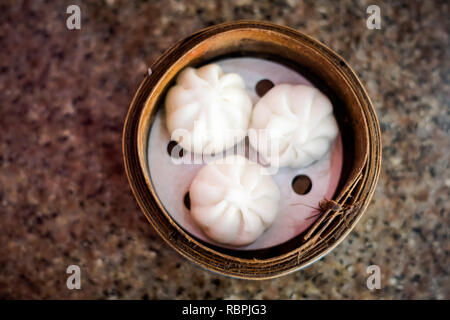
(64, 196)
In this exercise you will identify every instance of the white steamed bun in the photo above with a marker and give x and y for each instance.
(292, 125)
(207, 110)
(233, 200)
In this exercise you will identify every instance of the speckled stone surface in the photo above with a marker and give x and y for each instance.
(64, 197)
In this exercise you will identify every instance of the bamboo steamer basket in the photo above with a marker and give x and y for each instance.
(354, 113)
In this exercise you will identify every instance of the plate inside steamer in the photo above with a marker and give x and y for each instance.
(171, 179)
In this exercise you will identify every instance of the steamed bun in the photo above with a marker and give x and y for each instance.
(292, 125)
(207, 110)
(233, 200)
